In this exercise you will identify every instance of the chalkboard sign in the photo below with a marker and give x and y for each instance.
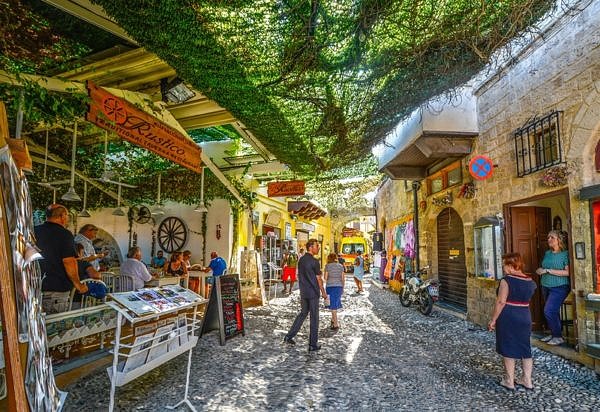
(224, 311)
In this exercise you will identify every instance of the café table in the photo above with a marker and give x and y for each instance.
(198, 274)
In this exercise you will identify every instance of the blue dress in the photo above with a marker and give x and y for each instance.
(513, 326)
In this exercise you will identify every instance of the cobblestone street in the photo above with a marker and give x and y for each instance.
(384, 357)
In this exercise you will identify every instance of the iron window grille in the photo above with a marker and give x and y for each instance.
(538, 144)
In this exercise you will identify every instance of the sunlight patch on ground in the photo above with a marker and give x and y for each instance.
(353, 348)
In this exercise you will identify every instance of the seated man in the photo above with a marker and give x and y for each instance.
(59, 266)
(158, 261)
(134, 267)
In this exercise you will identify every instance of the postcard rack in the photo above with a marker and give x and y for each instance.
(148, 352)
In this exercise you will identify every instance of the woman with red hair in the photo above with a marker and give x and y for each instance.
(512, 321)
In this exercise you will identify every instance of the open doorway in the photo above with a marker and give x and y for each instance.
(528, 222)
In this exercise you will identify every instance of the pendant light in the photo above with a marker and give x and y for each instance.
(118, 211)
(71, 196)
(84, 212)
(201, 208)
(158, 209)
(53, 195)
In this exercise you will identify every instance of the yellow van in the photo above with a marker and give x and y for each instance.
(349, 246)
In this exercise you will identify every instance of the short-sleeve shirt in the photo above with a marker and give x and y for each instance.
(217, 266)
(56, 243)
(158, 262)
(558, 260)
(88, 249)
(334, 274)
(137, 270)
(308, 270)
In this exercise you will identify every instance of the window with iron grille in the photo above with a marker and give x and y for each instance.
(538, 144)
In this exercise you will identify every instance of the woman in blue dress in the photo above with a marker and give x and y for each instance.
(512, 321)
(555, 284)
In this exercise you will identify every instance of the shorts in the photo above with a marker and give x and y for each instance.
(289, 273)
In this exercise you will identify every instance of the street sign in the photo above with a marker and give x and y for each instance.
(481, 167)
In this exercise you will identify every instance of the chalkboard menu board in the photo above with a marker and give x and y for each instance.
(224, 311)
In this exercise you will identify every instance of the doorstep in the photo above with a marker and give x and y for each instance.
(563, 351)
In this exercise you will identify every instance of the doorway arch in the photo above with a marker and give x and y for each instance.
(452, 270)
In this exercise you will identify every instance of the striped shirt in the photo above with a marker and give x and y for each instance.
(334, 274)
(559, 261)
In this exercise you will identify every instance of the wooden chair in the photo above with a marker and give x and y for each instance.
(123, 283)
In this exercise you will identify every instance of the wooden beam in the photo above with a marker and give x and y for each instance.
(83, 177)
(92, 14)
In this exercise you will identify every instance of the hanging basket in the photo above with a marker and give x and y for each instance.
(555, 176)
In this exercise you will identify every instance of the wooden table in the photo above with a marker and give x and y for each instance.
(198, 274)
(166, 280)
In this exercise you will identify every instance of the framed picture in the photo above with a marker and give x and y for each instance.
(579, 250)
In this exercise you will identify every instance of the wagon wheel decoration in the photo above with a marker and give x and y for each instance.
(172, 234)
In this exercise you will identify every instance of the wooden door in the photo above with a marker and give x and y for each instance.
(530, 227)
(452, 271)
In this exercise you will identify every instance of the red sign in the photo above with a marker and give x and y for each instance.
(481, 167)
(138, 127)
(289, 188)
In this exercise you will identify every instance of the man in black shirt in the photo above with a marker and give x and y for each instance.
(311, 286)
(59, 265)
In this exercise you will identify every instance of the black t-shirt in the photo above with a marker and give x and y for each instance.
(56, 243)
(308, 270)
(82, 266)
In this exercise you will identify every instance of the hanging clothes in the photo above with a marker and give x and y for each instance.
(409, 240)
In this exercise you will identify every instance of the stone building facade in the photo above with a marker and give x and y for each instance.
(556, 77)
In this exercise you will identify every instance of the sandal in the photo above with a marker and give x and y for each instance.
(520, 383)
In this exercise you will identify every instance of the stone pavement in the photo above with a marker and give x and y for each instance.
(383, 358)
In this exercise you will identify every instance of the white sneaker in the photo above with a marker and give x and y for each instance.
(556, 341)
(546, 338)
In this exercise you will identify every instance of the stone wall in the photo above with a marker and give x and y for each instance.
(481, 297)
(560, 71)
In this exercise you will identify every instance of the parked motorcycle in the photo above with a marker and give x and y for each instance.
(421, 292)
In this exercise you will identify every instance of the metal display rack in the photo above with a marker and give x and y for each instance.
(120, 378)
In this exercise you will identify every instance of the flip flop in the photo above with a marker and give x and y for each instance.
(521, 384)
(505, 386)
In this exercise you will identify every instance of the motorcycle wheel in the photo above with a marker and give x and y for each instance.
(425, 304)
(404, 297)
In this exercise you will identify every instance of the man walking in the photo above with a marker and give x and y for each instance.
(311, 286)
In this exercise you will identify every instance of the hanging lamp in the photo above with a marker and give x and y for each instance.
(71, 196)
(84, 212)
(118, 211)
(201, 208)
(158, 209)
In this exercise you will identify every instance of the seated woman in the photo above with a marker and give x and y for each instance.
(176, 266)
(87, 274)
(187, 256)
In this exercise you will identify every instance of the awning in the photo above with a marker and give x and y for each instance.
(438, 131)
(306, 209)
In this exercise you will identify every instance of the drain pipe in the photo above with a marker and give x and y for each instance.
(416, 186)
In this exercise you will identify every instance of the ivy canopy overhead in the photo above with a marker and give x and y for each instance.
(321, 82)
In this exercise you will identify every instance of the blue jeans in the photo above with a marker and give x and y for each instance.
(554, 298)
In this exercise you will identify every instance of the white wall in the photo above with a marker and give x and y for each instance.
(219, 212)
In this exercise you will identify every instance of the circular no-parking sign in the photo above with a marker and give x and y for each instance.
(481, 167)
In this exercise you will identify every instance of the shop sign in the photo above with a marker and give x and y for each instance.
(305, 226)
(287, 188)
(454, 253)
(138, 127)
